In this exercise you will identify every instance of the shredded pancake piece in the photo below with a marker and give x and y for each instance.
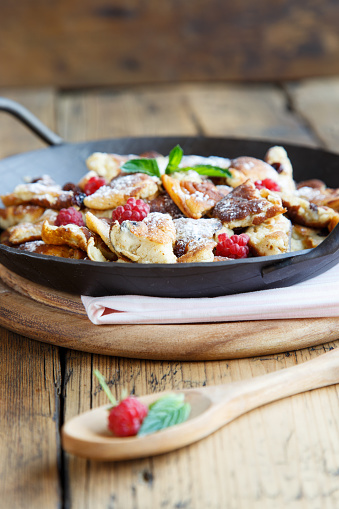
(148, 241)
(194, 199)
(247, 206)
(137, 185)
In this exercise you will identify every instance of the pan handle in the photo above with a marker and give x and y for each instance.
(31, 121)
(326, 254)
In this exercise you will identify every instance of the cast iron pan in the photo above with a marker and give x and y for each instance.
(66, 162)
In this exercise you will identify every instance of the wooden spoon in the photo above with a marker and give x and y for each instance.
(212, 407)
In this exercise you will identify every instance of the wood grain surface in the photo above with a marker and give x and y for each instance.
(284, 454)
(89, 43)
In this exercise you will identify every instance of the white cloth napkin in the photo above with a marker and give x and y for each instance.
(317, 297)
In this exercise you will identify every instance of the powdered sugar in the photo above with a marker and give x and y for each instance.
(196, 231)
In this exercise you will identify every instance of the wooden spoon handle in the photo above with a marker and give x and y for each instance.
(249, 394)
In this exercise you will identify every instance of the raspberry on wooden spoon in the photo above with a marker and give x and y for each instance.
(124, 418)
(131, 417)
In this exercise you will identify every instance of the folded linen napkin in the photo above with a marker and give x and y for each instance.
(317, 297)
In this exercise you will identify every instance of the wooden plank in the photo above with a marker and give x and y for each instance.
(29, 415)
(265, 458)
(30, 376)
(257, 111)
(118, 113)
(76, 44)
(317, 102)
(243, 111)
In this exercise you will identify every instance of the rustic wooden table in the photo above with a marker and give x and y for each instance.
(284, 454)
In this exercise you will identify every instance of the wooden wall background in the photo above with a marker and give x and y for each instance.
(72, 43)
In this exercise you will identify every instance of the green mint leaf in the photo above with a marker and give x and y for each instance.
(148, 166)
(208, 170)
(174, 160)
(166, 411)
(105, 387)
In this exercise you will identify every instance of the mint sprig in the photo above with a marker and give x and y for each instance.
(208, 170)
(174, 159)
(148, 166)
(167, 411)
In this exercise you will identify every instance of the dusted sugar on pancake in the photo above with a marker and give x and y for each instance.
(256, 169)
(194, 198)
(271, 237)
(247, 206)
(42, 193)
(252, 168)
(164, 204)
(148, 241)
(137, 185)
(195, 239)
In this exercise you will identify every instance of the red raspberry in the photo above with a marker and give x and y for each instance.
(93, 184)
(268, 183)
(69, 216)
(232, 247)
(125, 419)
(134, 210)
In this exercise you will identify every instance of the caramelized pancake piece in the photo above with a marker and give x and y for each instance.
(73, 236)
(195, 239)
(271, 237)
(302, 212)
(194, 199)
(316, 191)
(100, 213)
(252, 168)
(148, 241)
(256, 169)
(247, 206)
(137, 185)
(164, 204)
(199, 253)
(40, 247)
(16, 214)
(277, 157)
(105, 165)
(25, 232)
(305, 238)
(100, 226)
(42, 193)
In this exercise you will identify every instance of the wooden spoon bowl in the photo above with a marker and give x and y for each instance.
(211, 407)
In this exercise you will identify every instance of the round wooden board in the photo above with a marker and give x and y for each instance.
(58, 318)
